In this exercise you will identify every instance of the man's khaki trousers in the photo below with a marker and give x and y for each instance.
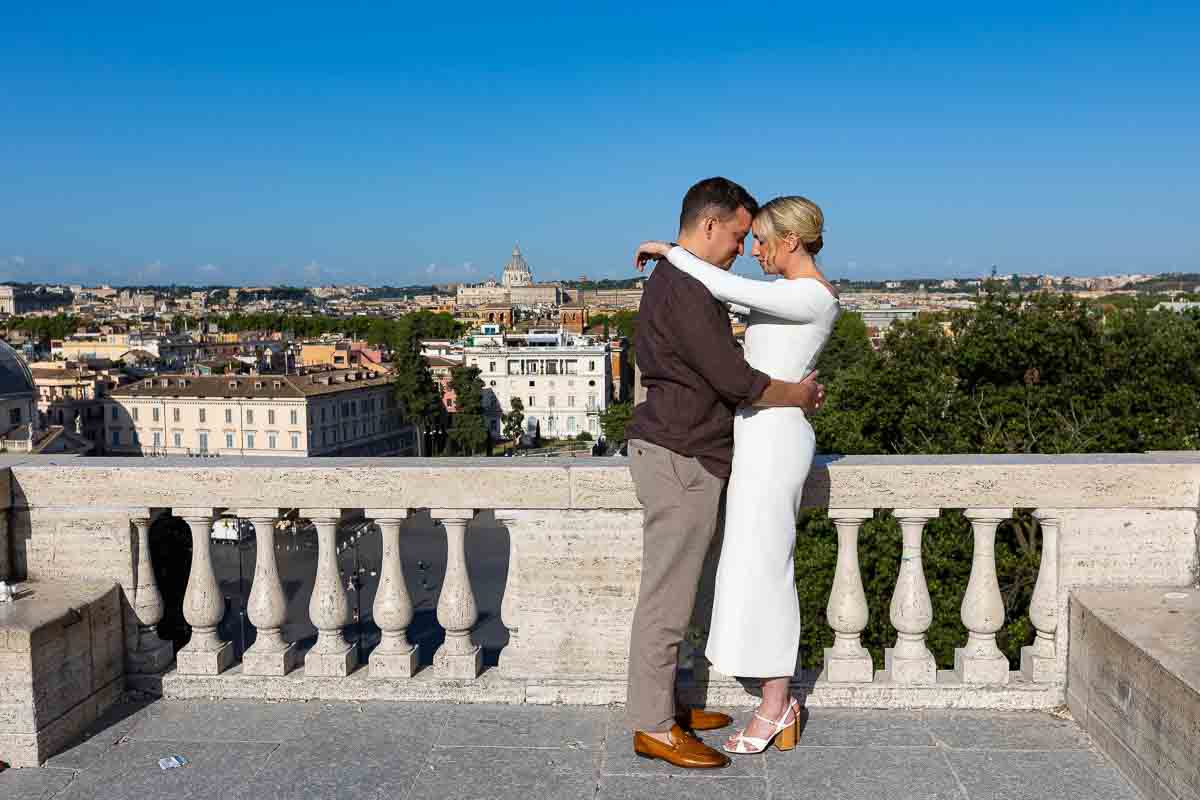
(682, 501)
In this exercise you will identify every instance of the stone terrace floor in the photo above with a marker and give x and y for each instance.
(261, 751)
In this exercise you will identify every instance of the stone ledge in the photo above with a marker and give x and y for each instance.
(1134, 682)
(494, 687)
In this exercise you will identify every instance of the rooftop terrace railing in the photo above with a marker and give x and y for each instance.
(557, 601)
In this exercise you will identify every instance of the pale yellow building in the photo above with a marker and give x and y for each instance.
(330, 413)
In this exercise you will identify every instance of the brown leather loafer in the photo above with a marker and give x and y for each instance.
(697, 719)
(684, 750)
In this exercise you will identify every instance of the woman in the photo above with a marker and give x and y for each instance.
(755, 631)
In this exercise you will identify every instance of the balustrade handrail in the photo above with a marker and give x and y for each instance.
(572, 576)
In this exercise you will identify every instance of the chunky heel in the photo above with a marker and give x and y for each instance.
(786, 738)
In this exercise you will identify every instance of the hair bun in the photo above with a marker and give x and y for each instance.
(814, 247)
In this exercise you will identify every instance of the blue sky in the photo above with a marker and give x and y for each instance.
(254, 143)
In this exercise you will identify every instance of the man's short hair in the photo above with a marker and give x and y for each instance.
(714, 194)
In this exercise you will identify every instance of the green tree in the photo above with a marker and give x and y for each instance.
(614, 419)
(514, 421)
(417, 394)
(583, 436)
(468, 433)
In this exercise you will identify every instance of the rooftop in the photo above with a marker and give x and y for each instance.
(259, 386)
(419, 750)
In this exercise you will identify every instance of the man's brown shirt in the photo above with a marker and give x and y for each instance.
(693, 370)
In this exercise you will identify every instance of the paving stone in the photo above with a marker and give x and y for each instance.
(834, 773)
(984, 730)
(573, 727)
(131, 770)
(457, 773)
(100, 737)
(224, 721)
(1036, 776)
(631, 787)
(823, 727)
(619, 758)
(351, 750)
(33, 783)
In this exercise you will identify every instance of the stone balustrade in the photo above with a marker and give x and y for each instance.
(573, 560)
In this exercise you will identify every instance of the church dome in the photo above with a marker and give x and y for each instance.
(15, 377)
(516, 271)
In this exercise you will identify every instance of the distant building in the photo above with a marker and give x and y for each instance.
(564, 381)
(21, 427)
(516, 288)
(331, 413)
(8, 301)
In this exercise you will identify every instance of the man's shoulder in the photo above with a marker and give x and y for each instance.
(672, 281)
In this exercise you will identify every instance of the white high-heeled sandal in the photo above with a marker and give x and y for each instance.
(784, 736)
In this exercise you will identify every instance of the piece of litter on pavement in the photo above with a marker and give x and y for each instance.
(171, 762)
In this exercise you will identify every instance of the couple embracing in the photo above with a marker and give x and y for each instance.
(716, 414)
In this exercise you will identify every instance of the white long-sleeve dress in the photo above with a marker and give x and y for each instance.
(755, 630)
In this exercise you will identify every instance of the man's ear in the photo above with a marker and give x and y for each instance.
(710, 224)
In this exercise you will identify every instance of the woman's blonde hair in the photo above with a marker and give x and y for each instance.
(790, 216)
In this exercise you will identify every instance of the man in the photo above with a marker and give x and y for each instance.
(680, 454)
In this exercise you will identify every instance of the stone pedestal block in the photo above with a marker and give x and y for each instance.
(971, 668)
(394, 664)
(212, 661)
(848, 667)
(151, 660)
(337, 662)
(278, 662)
(918, 671)
(1038, 667)
(464, 666)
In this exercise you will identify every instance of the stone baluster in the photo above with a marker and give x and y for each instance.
(267, 605)
(510, 603)
(910, 661)
(1039, 661)
(151, 655)
(203, 604)
(848, 661)
(329, 607)
(983, 607)
(457, 612)
(395, 656)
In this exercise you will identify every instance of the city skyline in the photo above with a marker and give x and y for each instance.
(315, 147)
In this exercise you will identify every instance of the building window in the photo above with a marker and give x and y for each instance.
(203, 416)
(203, 442)
(229, 417)
(134, 413)
(249, 441)
(249, 416)
(570, 401)
(229, 440)
(531, 383)
(322, 414)
(491, 366)
(116, 436)
(550, 401)
(591, 366)
(14, 416)
(295, 441)
(134, 434)
(272, 441)
(271, 416)
(114, 414)
(175, 414)
(158, 438)
(293, 416)
(571, 424)
(179, 440)
(531, 403)
(154, 413)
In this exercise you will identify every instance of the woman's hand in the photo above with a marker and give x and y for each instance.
(650, 251)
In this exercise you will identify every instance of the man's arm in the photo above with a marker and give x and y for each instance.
(704, 344)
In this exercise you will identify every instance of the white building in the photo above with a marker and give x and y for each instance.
(563, 380)
(332, 413)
